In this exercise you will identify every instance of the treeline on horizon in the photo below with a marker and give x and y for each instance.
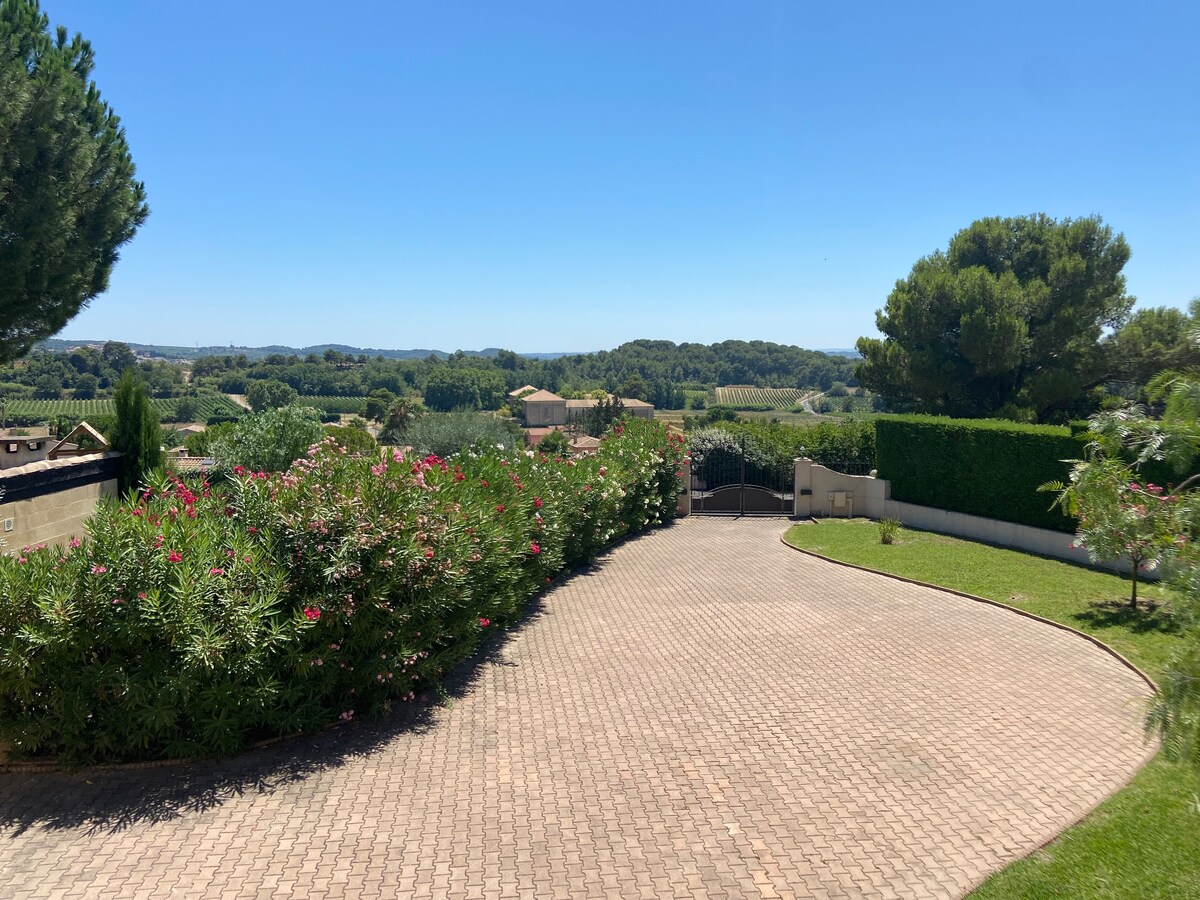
(658, 371)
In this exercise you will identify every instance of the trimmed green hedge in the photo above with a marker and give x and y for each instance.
(979, 466)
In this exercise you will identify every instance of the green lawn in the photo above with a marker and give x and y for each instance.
(1145, 841)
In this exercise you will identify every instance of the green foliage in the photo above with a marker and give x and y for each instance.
(461, 388)
(982, 467)
(194, 622)
(1008, 321)
(269, 394)
(848, 444)
(269, 441)
(554, 444)
(597, 419)
(353, 439)
(378, 403)
(200, 443)
(444, 434)
(66, 176)
(136, 434)
(889, 529)
(400, 414)
(1154, 341)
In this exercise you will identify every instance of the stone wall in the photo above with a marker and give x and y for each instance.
(47, 502)
(823, 493)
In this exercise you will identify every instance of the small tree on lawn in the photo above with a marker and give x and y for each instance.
(137, 434)
(1110, 502)
(1119, 517)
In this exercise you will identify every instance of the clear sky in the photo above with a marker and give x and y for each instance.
(571, 175)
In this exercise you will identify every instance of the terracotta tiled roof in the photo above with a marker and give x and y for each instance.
(540, 397)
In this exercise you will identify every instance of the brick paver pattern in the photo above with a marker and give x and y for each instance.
(706, 713)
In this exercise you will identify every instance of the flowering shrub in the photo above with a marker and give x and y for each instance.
(196, 621)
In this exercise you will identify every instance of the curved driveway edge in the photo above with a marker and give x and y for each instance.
(706, 713)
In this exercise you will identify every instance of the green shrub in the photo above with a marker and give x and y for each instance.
(775, 446)
(268, 441)
(443, 434)
(983, 467)
(193, 623)
(889, 529)
(355, 439)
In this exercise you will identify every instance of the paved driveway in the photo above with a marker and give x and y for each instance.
(707, 713)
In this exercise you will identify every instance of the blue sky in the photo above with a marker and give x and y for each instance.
(569, 176)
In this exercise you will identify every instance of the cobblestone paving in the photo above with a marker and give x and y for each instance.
(705, 714)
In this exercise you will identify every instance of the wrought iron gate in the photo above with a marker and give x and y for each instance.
(725, 482)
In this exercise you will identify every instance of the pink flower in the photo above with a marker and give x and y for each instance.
(142, 595)
(174, 556)
(537, 502)
(22, 560)
(216, 571)
(239, 470)
(347, 715)
(312, 613)
(429, 554)
(74, 542)
(99, 570)
(483, 482)
(535, 549)
(484, 623)
(500, 508)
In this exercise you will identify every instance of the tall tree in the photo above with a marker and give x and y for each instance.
(137, 434)
(1008, 321)
(68, 196)
(1153, 341)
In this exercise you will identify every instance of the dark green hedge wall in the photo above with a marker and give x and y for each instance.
(983, 467)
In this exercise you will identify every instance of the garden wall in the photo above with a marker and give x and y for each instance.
(48, 502)
(872, 497)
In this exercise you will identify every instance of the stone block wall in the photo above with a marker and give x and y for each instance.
(47, 502)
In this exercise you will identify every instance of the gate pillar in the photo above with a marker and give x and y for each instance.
(803, 488)
(684, 505)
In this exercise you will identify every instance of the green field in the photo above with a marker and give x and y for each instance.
(776, 398)
(206, 406)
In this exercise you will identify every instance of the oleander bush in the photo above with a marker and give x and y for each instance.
(195, 621)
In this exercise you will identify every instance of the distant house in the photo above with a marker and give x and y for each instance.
(21, 446)
(521, 392)
(542, 408)
(585, 443)
(81, 440)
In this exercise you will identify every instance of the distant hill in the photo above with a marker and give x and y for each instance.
(164, 351)
(852, 354)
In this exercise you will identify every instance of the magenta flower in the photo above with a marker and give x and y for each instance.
(312, 613)
(535, 549)
(174, 556)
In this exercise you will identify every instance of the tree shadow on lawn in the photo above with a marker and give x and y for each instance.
(114, 798)
(1150, 616)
